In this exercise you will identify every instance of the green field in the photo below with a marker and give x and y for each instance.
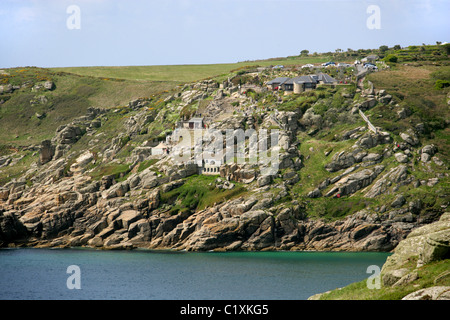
(182, 73)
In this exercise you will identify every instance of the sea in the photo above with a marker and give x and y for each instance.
(88, 274)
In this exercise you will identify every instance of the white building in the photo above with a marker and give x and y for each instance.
(160, 149)
(211, 167)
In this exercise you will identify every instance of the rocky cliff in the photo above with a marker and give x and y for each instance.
(338, 185)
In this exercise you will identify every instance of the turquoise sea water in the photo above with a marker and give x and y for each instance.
(142, 274)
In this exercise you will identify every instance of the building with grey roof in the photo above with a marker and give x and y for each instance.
(305, 83)
(324, 78)
(276, 83)
(371, 58)
(301, 83)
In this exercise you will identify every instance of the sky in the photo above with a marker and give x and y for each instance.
(49, 33)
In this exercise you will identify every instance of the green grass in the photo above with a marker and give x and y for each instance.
(197, 194)
(412, 86)
(314, 159)
(295, 102)
(428, 277)
(18, 76)
(119, 171)
(108, 92)
(147, 163)
(432, 198)
(10, 172)
(332, 209)
(181, 73)
(441, 139)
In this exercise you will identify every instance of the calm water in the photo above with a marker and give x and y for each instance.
(142, 274)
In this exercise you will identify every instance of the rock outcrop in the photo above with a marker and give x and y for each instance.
(424, 245)
(432, 293)
(79, 211)
(395, 175)
(358, 180)
(47, 152)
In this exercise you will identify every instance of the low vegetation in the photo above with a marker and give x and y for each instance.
(433, 274)
(199, 192)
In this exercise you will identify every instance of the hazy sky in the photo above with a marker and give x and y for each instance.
(148, 32)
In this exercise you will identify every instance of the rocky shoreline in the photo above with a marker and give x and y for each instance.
(240, 224)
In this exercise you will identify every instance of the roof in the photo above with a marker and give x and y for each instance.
(280, 80)
(196, 120)
(160, 146)
(326, 78)
(313, 78)
(305, 79)
(291, 80)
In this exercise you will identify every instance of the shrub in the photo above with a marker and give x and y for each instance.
(383, 49)
(391, 58)
(441, 74)
(441, 84)
(447, 48)
(320, 109)
(124, 140)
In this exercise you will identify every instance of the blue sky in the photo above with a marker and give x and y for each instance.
(138, 32)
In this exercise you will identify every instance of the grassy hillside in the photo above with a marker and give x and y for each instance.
(72, 95)
(182, 73)
(413, 86)
(28, 116)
